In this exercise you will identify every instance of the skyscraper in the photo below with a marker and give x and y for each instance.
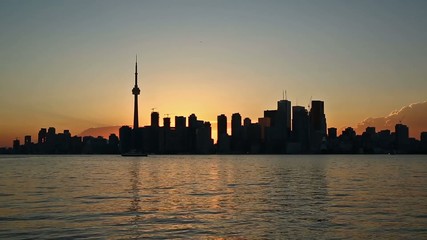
(27, 140)
(42, 136)
(135, 92)
(155, 119)
(192, 130)
(236, 133)
(167, 123)
(402, 137)
(284, 118)
(301, 127)
(236, 124)
(317, 126)
(180, 122)
(272, 115)
(222, 126)
(317, 117)
(223, 140)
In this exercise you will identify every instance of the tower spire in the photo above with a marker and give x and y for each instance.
(136, 70)
(135, 92)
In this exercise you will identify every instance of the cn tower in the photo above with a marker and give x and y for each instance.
(135, 92)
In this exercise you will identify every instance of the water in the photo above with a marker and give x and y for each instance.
(213, 197)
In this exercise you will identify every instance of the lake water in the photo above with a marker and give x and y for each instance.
(214, 197)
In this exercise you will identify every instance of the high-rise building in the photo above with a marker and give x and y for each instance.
(125, 134)
(203, 143)
(247, 122)
(155, 119)
(27, 140)
(272, 115)
(284, 116)
(51, 136)
(181, 134)
(42, 136)
(180, 122)
(317, 117)
(222, 126)
(423, 142)
(167, 122)
(402, 137)
(371, 131)
(301, 127)
(332, 133)
(317, 126)
(264, 123)
(192, 121)
(236, 124)
(16, 146)
(113, 144)
(192, 129)
(236, 132)
(223, 140)
(153, 134)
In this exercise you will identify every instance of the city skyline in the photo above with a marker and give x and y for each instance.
(66, 64)
(279, 131)
(285, 130)
(105, 132)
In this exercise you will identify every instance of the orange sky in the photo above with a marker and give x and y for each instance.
(70, 64)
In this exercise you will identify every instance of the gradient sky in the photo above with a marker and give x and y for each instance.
(70, 64)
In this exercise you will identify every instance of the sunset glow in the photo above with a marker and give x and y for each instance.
(69, 64)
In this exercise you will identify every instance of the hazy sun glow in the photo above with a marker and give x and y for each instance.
(70, 64)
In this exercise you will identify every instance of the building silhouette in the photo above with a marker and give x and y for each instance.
(223, 139)
(125, 134)
(222, 126)
(423, 142)
(401, 138)
(284, 118)
(261, 137)
(285, 130)
(155, 119)
(317, 126)
(300, 138)
(236, 133)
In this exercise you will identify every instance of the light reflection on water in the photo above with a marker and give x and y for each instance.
(213, 197)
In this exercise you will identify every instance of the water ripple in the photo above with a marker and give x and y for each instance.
(213, 197)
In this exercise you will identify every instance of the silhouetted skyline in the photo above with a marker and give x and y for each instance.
(247, 137)
(285, 130)
(365, 59)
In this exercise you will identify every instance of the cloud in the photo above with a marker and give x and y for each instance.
(101, 131)
(413, 115)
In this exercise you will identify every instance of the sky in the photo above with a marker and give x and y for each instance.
(70, 64)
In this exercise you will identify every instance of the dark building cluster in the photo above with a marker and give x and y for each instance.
(192, 139)
(286, 130)
(50, 142)
(277, 132)
(373, 142)
(274, 133)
